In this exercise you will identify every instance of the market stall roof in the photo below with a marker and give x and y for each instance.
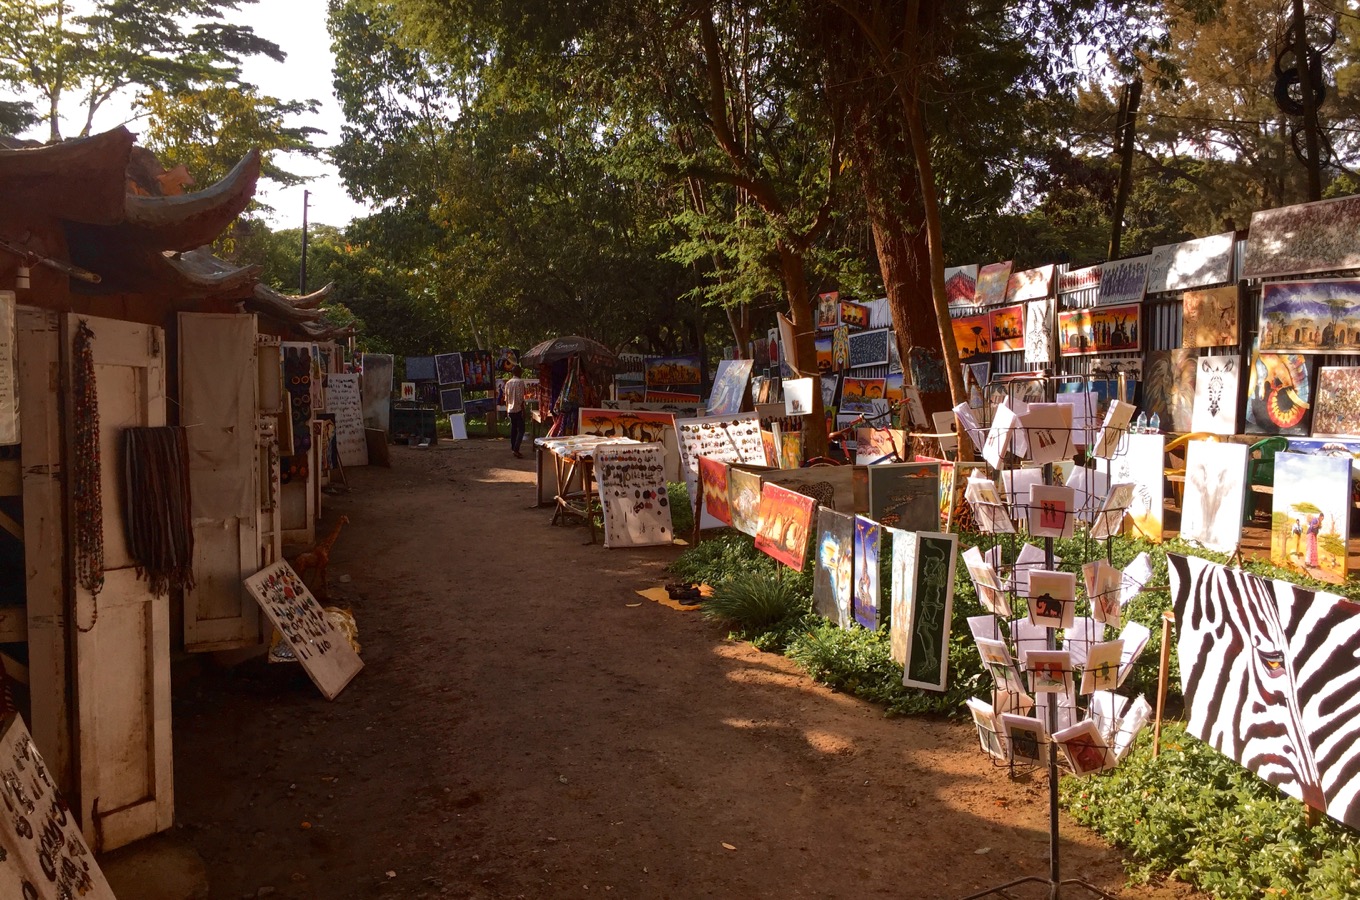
(554, 349)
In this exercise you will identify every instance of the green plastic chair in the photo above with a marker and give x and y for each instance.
(1261, 470)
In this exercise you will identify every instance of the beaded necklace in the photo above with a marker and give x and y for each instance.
(85, 482)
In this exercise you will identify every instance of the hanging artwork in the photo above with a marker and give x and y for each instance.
(972, 335)
(830, 486)
(922, 605)
(1283, 708)
(631, 480)
(1338, 402)
(991, 283)
(1079, 280)
(448, 368)
(733, 439)
(1310, 316)
(855, 315)
(927, 370)
(828, 309)
(1099, 330)
(326, 655)
(1279, 393)
(1310, 518)
(1031, 284)
(506, 360)
(1008, 328)
(1210, 318)
(1124, 280)
(832, 581)
(822, 345)
(976, 376)
(729, 387)
(785, 521)
(1216, 393)
(1215, 482)
(1310, 237)
(866, 589)
(1039, 331)
(862, 390)
(960, 285)
(905, 495)
(716, 507)
(1191, 264)
(451, 400)
(479, 370)
(743, 498)
(869, 348)
(1052, 600)
(408, 394)
(1164, 372)
(672, 371)
(840, 348)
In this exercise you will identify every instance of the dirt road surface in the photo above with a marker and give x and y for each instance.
(528, 726)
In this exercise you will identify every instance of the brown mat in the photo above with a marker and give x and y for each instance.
(659, 595)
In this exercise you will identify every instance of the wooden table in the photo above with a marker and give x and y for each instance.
(573, 461)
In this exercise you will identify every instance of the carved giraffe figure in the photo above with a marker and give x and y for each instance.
(317, 558)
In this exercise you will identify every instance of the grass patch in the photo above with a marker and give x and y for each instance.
(758, 608)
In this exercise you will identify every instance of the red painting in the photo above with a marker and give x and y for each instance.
(713, 483)
(784, 521)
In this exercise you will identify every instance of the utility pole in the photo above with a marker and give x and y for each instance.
(302, 279)
(1307, 88)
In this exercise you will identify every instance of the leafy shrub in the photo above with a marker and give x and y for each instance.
(682, 513)
(757, 606)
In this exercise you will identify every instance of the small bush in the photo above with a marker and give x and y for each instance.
(682, 514)
(753, 604)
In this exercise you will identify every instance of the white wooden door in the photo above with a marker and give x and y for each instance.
(217, 391)
(121, 652)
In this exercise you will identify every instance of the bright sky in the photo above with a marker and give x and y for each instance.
(299, 28)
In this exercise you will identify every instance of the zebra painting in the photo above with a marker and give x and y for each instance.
(1216, 395)
(1268, 672)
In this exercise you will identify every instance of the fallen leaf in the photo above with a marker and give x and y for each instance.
(630, 605)
(983, 850)
(727, 846)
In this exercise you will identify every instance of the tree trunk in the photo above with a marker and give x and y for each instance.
(804, 361)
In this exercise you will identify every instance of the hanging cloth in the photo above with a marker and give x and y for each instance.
(160, 526)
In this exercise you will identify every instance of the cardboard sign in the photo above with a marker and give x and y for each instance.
(342, 398)
(324, 652)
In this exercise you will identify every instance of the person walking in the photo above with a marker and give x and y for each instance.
(513, 391)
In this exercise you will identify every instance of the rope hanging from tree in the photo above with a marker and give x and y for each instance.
(86, 469)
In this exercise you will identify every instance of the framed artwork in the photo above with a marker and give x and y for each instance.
(1279, 393)
(785, 520)
(833, 578)
(729, 387)
(1008, 328)
(960, 285)
(1215, 486)
(1051, 510)
(828, 309)
(1210, 318)
(1027, 739)
(1310, 516)
(1039, 331)
(631, 480)
(672, 371)
(1191, 264)
(451, 400)
(743, 498)
(1079, 280)
(905, 495)
(972, 335)
(1085, 750)
(922, 605)
(1052, 599)
(1337, 412)
(1216, 391)
(868, 535)
(822, 345)
(1031, 284)
(717, 504)
(448, 368)
(991, 283)
(855, 315)
(1309, 237)
(1310, 317)
(1099, 330)
(1124, 280)
(869, 348)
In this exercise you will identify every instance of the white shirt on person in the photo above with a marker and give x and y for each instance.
(514, 395)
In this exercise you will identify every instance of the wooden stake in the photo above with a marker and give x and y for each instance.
(1163, 673)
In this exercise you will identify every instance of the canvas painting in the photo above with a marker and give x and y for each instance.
(1008, 328)
(840, 348)
(972, 335)
(646, 426)
(1051, 510)
(717, 507)
(1191, 264)
(1079, 280)
(879, 445)
(1309, 237)
(1030, 284)
(1049, 671)
(729, 387)
(990, 737)
(1124, 280)
(976, 376)
(1310, 317)
(1052, 598)
(1099, 330)
(479, 370)
(986, 583)
(1338, 402)
(830, 486)
(1283, 709)
(1216, 381)
(1169, 387)
(868, 534)
(743, 499)
(833, 580)
(905, 495)
(1142, 465)
(672, 371)
(631, 480)
(1084, 749)
(822, 345)
(927, 370)
(451, 400)
(862, 390)
(1027, 739)
(1279, 393)
(922, 605)
(869, 348)
(828, 309)
(991, 283)
(960, 285)
(1210, 318)
(448, 368)
(1039, 331)
(785, 520)
(790, 449)
(1215, 482)
(1310, 518)
(855, 315)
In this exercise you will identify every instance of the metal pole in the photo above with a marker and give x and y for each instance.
(302, 277)
(1306, 87)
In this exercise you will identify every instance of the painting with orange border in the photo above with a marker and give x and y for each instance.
(713, 483)
(1008, 328)
(862, 390)
(785, 520)
(973, 335)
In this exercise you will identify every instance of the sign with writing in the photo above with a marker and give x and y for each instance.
(342, 398)
(631, 479)
(324, 652)
(43, 855)
(9, 382)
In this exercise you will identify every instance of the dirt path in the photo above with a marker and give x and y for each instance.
(524, 728)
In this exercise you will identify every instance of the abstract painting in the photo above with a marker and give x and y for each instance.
(1191, 264)
(1039, 331)
(866, 589)
(991, 283)
(1337, 412)
(833, 579)
(1124, 280)
(1309, 237)
(1215, 482)
(729, 387)
(1031, 284)
(869, 348)
(1099, 330)
(449, 368)
(905, 495)
(1310, 317)
(972, 335)
(1279, 393)
(451, 400)
(1216, 381)
(1008, 328)
(922, 605)
(1310, 516)
(1210, 318)
(717, 506)
(1169, 387)
(1285, 708)
(631, 479)
(785, 520)
(960, 285)
(743, 498)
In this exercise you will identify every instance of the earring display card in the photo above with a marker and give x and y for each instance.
(631, 480)
(326, 655)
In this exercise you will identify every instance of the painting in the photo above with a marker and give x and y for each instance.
(1310, 516)
(922, 605)
(642, 425)
(1163, 372)
(1216, 380)
(1049, 671)
(840, 348)
(988, 729)
(1210, 318)
(821, 344)
(976, 376)
(828, 309)
(862, 390)
(991, 283)
(1051, 510)
(631, 480)
(785, 519)
(448, 368)
(1039, 332)
(673, 398)
(927, 370)
(1123, 281)
(833, 578)
(1286, 709)
(1079, 280)
(869, 348)
(1027, 739)
(1142, 465)
(729, 387)
(1215, 482)
(972, 335)
(960, 285)
(1008, 328)
(451, 400)
(1099, 330)
(1052, 599)
(717, 504)
(1084, 748)
(1279, 393)
(1191, 264)
(905, 495)
(878, 445)
(743, 498)
(479, 370)
(790, 448)
(1310, 317)
(672, 371)
(1030, 284)
(733, 439)
(1308, 237)
(866, 589)
(830, 486)
(1338, 402)
(326, 655)
(855, 315)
